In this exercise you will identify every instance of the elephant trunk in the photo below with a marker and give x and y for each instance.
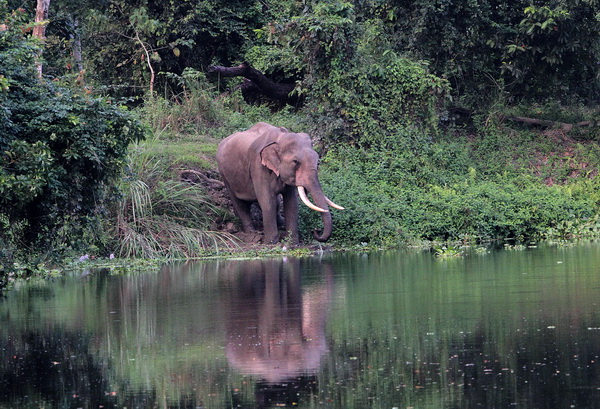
(327, 227)
(321, 206)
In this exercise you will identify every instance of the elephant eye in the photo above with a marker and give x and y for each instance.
(296, 163)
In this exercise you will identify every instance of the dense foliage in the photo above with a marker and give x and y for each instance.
(60, 150)
(123, 42)
(406, 101)
(422, 190)
(485, 49)
(528, 49)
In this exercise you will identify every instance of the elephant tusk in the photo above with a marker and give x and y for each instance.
(307, 202)
(330, 203)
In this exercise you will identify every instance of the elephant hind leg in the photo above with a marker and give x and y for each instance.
(241, 208)
(257, 217)
(280, 213)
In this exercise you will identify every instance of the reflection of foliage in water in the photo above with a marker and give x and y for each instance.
(43, 368)
(404, 330)
(462, 336)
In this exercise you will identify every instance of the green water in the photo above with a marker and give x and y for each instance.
(398, 329)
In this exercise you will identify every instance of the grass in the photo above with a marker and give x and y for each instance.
(192, 151)
(158, 217)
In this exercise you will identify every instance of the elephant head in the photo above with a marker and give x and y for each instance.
(291, 158)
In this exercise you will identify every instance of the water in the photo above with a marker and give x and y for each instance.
(397, 329)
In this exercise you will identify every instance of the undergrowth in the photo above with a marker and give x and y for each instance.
(416, 188)
(160, 217)
(492, 180)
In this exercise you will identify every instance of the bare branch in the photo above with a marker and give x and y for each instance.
(148, 60)
(191, 175)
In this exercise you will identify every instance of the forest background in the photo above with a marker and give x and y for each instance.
(436, 120)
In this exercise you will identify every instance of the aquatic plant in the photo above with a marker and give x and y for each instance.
(448, 250)
(515, 247)
(575, 228)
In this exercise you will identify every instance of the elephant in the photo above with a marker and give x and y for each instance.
(264, 161)
(276, 323)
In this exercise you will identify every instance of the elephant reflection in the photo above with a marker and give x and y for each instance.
(274, 329)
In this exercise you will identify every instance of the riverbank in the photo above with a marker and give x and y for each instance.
(482, 181)
(478, 183)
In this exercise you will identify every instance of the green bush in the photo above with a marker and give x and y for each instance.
(413, 97)
(431, 190)
(61, 151)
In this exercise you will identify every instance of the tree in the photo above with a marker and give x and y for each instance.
(554, 50)
(126, 44)
(61, 150)
(39, 30)
(355, 87)
(487, 48)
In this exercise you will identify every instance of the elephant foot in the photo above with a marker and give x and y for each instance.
(271, 239)
(291, 238)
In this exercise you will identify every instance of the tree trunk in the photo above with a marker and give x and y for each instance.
(77, 52)
(39, 30)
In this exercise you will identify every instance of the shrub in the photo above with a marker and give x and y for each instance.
(61, 151)
(427, 190)
(194, 110)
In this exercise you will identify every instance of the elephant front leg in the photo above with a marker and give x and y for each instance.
(269, 214)
(290, 210)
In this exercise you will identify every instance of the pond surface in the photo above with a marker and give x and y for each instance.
(399, 329)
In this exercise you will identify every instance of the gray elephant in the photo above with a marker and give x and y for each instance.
(264, 161)
(275, 324)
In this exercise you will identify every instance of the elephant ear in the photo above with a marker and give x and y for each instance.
(269, 157)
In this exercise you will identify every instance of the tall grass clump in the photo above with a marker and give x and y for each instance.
(197, 108)
(159, 217)
(193, 109)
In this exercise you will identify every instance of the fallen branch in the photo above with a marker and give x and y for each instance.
(541, 122)
(188, 175)
(256, 81)
(549, 124)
